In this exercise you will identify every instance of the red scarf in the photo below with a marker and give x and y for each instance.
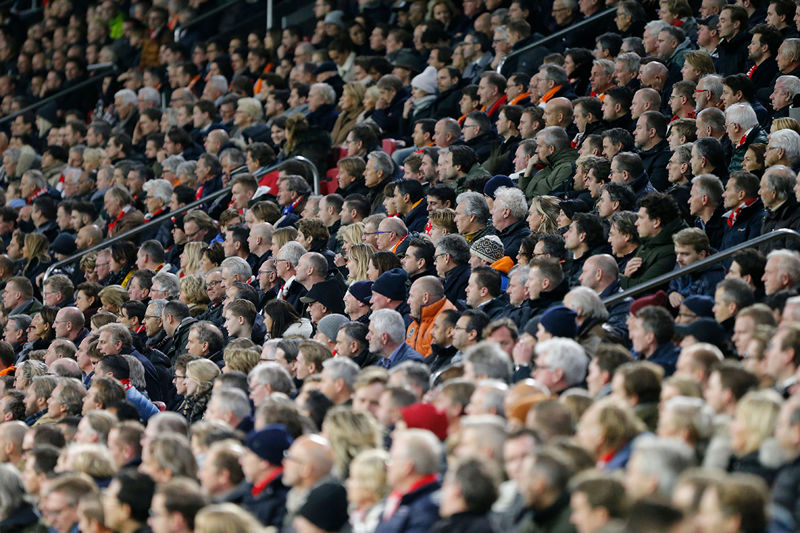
(139, 329)
(126, 383)
(742, 140)
(37, 193)
(735, 213)
(393, 500)
(149, 216)
(124, 211)
(261, 485)
(497, 105)
(752, 71)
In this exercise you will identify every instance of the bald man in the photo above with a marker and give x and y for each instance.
(391, 232)
(88, 236)
(11, 436)
(69, 325)
(306, 464)
(558, 112)
(654, 75)
(427, 300)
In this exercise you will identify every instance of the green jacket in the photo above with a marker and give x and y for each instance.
(657, 253)
(560, 169)
(554, 519)
(756, 135)
(476, 171)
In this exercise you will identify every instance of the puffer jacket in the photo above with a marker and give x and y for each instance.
(419, 334)
(560, 169)
(657, 253)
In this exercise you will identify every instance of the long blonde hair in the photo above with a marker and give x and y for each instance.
(349, 433)
(359, 257)
(352, 232)
(548, 207)
(193, 252)
(37, 245)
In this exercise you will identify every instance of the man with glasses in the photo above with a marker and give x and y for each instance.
(156, 337)
(60, 498)
(268, 280)
(216, 294)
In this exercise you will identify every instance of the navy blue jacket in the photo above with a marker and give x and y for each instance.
(325, 117)
(512, 237)
(389, 119)
(455, 284)
(655, 164)
(417, 218)
(747, 225)
(666, 356)
(404, 353)
(417, 512)
(270, 504)
(617, 313)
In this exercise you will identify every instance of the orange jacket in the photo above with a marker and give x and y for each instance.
(420, 332)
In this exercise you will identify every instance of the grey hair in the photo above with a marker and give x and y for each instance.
(326, 91)
(450, 126)
(790, 84)
(342, 368)
(684, 152)
(513, 199)
(781, 179)
(792, 49)
(488, 359)
(606, 64)
(522, 270)
(383, 162)
(292, 251)
(234, 155)
(234, 401)
(137, 372)
(556, 137)
(126, 95)
(694, 412)
(664, 459)
(456, 246)
(413, 374)
(588, 302)
(158, 306)
(13, 154)
(491, 428)
(66, 368)
(172, 163)
(788, 263)
(495, 396)
(502, 30)
(12, 490)
(555, 73)
(187, 168)
(655, 26)
(713, 84)
(713, 117)
(238, 267)
(422, 448)
(474, 204)
(149, 94)
(168, 282)
(390, 322)
(567, 355)
(218, 82)
(743, 115)
(789, 141)
(35, 177)
(630, 60)
(161, 189)
(274, 375)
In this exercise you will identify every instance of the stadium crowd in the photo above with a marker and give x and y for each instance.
(434, 340)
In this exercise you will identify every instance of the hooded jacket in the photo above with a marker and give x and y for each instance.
(657, 253)
(559, 169)
(419, 334)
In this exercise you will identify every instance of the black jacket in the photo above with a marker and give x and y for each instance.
(786, 489)
(180, 338)
(655, 164)
(417, 218)
(447, 104)
(455, 283)
(733, 54)
(484, 143)
(715, 227)
(747, 225)
(528, 61)
(465, 523)
(325, 117)
(785, 216)
(512, 237)
(269, 506)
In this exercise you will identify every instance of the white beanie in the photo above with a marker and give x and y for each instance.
(425, 81)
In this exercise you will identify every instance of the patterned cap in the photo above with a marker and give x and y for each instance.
(489, 248)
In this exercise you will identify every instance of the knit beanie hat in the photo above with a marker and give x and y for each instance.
(489, 248)
(559, 321)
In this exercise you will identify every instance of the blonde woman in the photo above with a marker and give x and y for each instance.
(543, 214)
(240, 359)
(87, 266)
(754, 422)
(112, 298)
(349, 235)
(281, 237)
(358, 262)
(92, 158)
(94, 460)
(351, 107)
(366, 488)
(34, 252)
(193, 293)
(192, 258)
(349, 433)
(226, 518)
(698, 63)
(371, 97)
(200, 376)
(785, 123)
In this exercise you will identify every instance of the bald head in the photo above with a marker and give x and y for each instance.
(88, 236)
(599, 271)
(73, 316)
(432, 285)
(654, 75)
(11, 437)
(558, 112)
(393, 224)
(319, 458)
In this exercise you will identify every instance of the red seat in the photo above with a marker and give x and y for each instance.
(330, 182)
(389, 146)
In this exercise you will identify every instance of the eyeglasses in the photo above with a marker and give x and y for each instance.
(179, 377)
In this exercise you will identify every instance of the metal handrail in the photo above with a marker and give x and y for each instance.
(560, 33)
(699, 265)
(98, 77)
(200, 18)
(181, 210)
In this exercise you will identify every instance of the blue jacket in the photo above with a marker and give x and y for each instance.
(617, 313)
(455, 284)
(666, 356)
(417, 218)
(512, 237)
(641, 186)
(703, 282)
(389, 119)
(747, 225)
(269, 506)
(404, 353)
(417, 512)
(143, 405)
